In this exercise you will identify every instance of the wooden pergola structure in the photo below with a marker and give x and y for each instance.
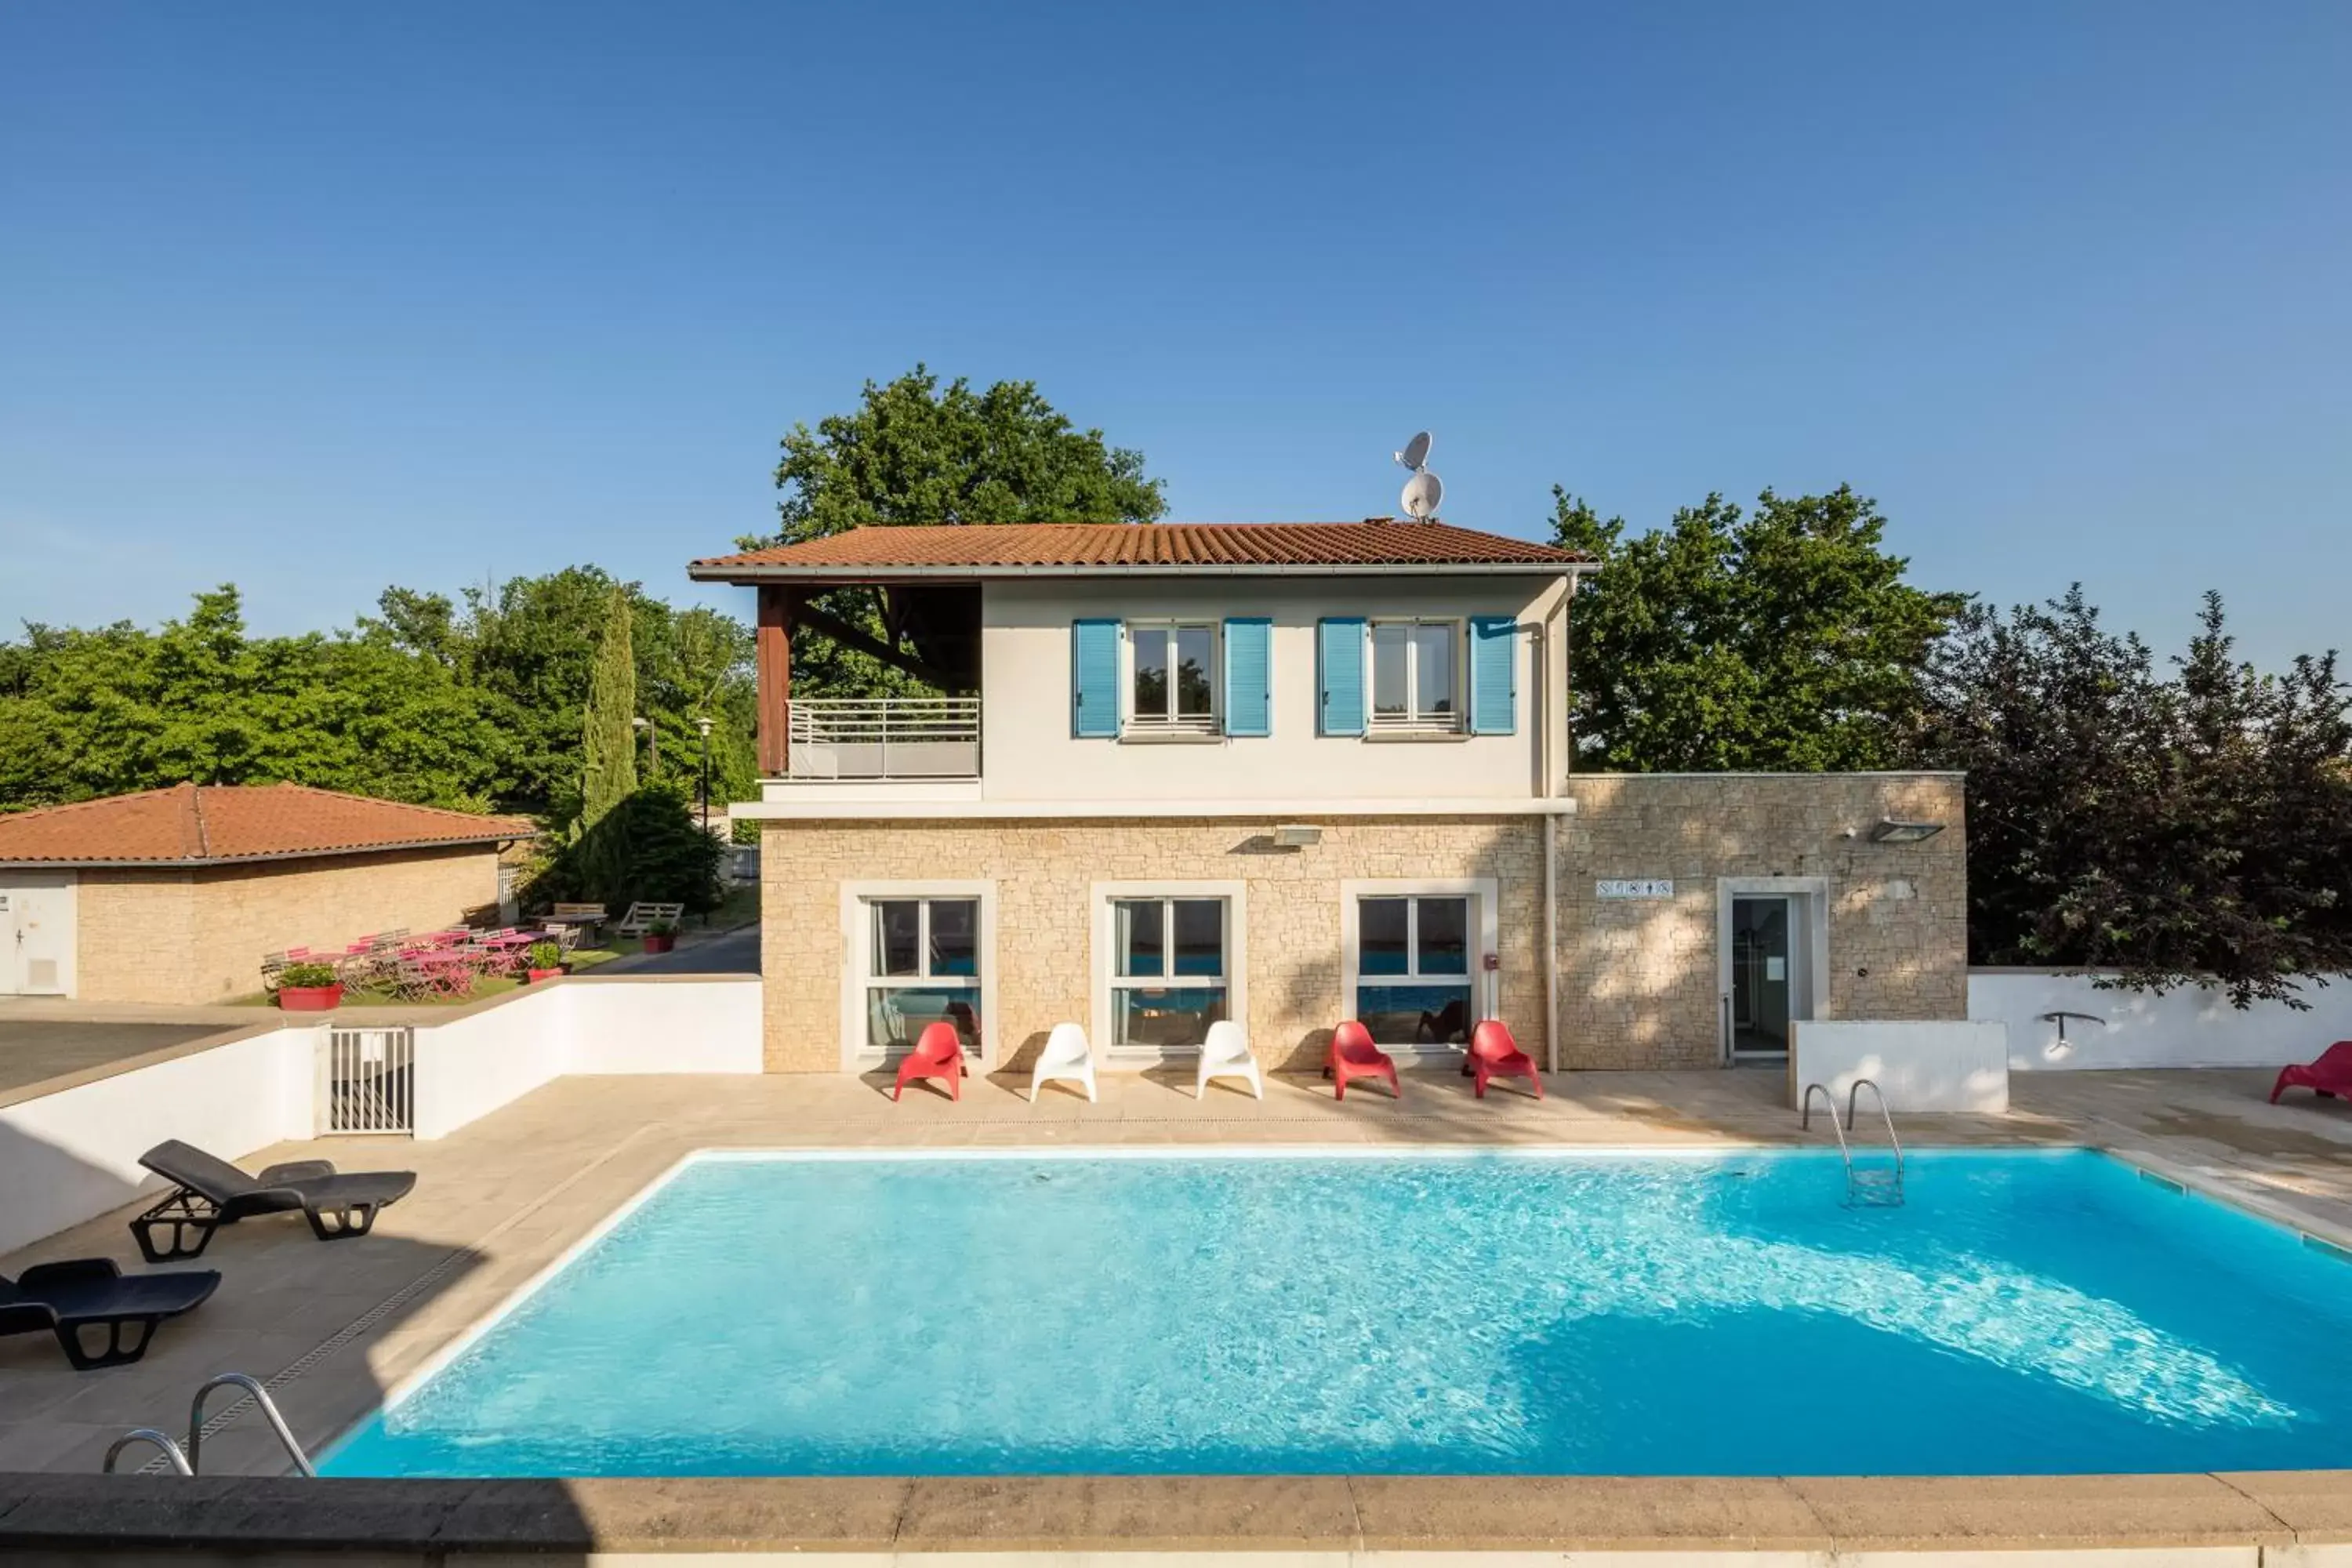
(931, 630)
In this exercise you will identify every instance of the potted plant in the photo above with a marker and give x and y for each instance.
(309, 988)
(546, 962)
(661, 936)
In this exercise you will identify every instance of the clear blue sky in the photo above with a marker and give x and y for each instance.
(317, 298)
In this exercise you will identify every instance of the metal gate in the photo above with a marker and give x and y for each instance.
(370, 1080)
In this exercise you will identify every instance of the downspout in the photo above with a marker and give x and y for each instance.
(1552, 783)
(1551, 843)
(1552, 942)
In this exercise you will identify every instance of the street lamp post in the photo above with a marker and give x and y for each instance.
(703, 724)
(653, 736)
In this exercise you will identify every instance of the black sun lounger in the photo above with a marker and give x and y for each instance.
(212, 1193)
(91, 1293)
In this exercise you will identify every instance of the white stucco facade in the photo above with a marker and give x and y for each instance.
(1029, 753)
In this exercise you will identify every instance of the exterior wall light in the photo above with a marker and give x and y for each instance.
(1298, 835)
(1890, 831)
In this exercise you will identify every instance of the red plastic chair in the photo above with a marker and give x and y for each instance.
(937, 1053)
(2330, 1075)
(1494, 1054)
(1353, 1055)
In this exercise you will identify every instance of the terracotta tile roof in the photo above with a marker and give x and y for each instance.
(1374, 543)
(191, 824)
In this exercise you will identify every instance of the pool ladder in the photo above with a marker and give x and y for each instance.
(182, 1461)
(1867, 1187)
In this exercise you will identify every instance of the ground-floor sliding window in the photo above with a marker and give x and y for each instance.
(918, 956)
(1168, 963)
(1415, 959)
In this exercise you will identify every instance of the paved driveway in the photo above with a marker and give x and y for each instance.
(730, 953)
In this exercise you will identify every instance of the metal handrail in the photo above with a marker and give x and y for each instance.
(1854, 1180)
(1430, 720)
(852, 720)
(883, 737)
(1893, 1143)
(179, 1461)
(1805, 1121)
(260, 1396)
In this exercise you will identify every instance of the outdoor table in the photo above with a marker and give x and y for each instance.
(449, 970)
(507, 953)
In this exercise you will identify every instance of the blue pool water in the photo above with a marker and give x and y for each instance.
(1535, 1313)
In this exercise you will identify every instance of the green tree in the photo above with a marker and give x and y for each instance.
(2189, 830)
(528, 645)
(87, 714)
(916, 453)
(1781, 639)
(697, 664)
(648, 847)
(609, 739)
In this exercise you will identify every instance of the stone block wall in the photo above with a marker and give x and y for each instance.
(1044, 872)
(1640, 981)
(198, 935)
(132, 940)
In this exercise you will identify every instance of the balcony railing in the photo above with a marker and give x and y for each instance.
(1424, 721)
(883, 737)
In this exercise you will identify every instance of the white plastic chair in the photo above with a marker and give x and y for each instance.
(1067, 1057)
(1226, 1054)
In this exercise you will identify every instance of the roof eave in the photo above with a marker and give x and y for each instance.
(91, 863)
(752, 573)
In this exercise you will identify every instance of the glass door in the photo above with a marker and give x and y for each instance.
(1767, 989)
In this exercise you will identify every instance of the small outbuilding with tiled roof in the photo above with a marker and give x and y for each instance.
(173, 894)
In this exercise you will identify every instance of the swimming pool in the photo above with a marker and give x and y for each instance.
(1521, 1312)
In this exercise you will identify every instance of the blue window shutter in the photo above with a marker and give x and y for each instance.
(1249, 677)
(1340, 654)
(1094, 679)
(1494, 674)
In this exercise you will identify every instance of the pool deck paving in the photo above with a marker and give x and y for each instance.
(330, 1327)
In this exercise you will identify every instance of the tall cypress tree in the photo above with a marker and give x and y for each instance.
(609, 743)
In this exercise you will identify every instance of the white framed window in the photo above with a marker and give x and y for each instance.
(1415, 954)
(1167, 964)
(1416, 675)
(1171, 669)
(915, 953)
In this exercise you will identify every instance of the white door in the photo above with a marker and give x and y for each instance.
(36, 933)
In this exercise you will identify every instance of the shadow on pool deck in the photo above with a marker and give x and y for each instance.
(292, 1310)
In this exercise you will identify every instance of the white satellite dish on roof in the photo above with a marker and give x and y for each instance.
(1424, 490)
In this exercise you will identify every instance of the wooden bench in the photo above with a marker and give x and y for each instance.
(643, 914)
(578, 917)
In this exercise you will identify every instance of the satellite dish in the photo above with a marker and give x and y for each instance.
(1415, 453)
(1422, 494)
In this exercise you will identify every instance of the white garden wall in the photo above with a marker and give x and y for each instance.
(471, 1066)
(73, 1155)
(1918, 1066)
(2187, 1028)
(68, 1156)
(697, 1025)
